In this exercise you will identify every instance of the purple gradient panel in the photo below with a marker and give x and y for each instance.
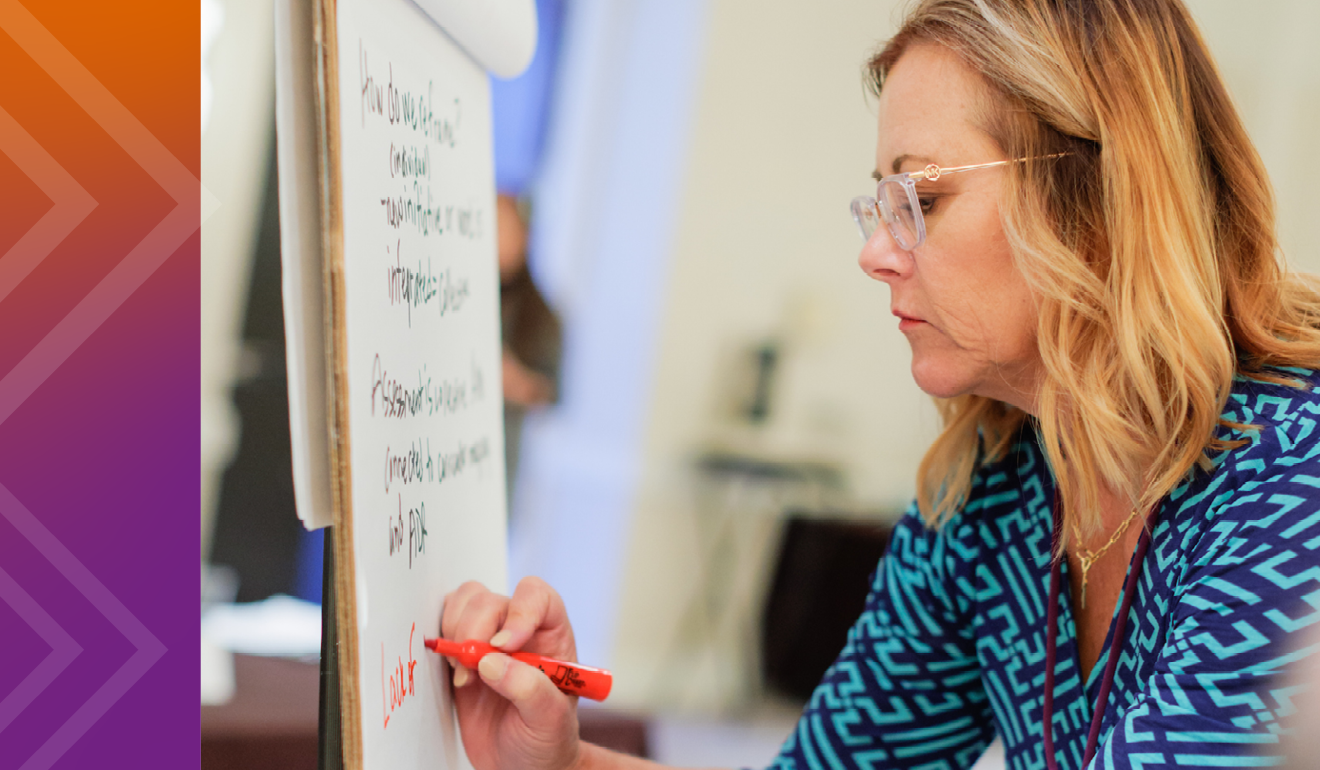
(99, 381)
(109, 467)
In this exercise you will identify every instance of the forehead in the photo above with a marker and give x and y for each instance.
(930, 106)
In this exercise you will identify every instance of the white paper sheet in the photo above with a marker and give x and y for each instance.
(300, 256)
(499, 34)
(423, 361)
(422, 349)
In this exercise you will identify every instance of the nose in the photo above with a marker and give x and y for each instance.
(883, 259)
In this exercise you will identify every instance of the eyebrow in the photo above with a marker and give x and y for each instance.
(898, 164)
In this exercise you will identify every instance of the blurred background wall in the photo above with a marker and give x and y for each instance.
(724, 358)
(764, 259)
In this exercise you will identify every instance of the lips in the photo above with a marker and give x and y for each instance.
(907, 322)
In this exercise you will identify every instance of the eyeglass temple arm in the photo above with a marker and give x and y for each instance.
(933, 172)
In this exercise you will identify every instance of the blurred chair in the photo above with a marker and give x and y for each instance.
(821, 580)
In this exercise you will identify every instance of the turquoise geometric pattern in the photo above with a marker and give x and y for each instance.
(950, 650)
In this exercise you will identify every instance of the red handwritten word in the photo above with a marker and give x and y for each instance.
(399, 687)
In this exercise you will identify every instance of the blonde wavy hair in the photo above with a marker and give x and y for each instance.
(1150, 246)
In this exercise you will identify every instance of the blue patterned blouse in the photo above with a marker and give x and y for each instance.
(950, 650)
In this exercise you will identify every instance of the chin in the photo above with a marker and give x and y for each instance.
(938, 379)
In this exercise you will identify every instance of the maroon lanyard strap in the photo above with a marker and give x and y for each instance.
(1115, 644)
(1051, 643)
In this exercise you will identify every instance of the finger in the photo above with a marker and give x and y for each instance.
(457, 620)
(482, 616)
(536, 607)
(531, 692)
(455, 602)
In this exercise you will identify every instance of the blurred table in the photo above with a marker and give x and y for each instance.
(271, 720)
(742, 494)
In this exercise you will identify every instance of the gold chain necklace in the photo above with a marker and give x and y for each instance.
(1088, 558)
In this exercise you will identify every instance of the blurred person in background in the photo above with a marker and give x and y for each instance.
(1113, 551)
(530, 329)
(532, 335)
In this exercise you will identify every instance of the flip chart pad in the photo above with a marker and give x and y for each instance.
(409, 431)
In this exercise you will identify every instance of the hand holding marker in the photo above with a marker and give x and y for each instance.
(570, 678)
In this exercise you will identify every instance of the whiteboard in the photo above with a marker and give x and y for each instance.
(391, 288)
(423, 361)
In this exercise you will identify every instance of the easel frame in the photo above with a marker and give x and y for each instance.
(330, 743)
(339, 565)
(339, 572)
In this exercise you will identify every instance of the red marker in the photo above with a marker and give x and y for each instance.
(570, 678)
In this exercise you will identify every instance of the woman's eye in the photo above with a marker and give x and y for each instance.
(927, 203)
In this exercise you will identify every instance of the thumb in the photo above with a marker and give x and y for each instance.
(540, 704)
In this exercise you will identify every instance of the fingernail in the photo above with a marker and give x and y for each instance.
(460, 676)
(500, 639)
(492, 667)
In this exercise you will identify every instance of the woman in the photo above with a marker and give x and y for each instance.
(1121, 509)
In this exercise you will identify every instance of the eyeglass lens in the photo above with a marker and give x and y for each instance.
(896, 208)
(902, 217)
(866, 215)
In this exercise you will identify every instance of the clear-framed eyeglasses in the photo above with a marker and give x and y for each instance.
(897, 204)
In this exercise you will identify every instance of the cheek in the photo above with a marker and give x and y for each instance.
(1009, 293)
(981, 299)
(1018, 335)
(1015, 310)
